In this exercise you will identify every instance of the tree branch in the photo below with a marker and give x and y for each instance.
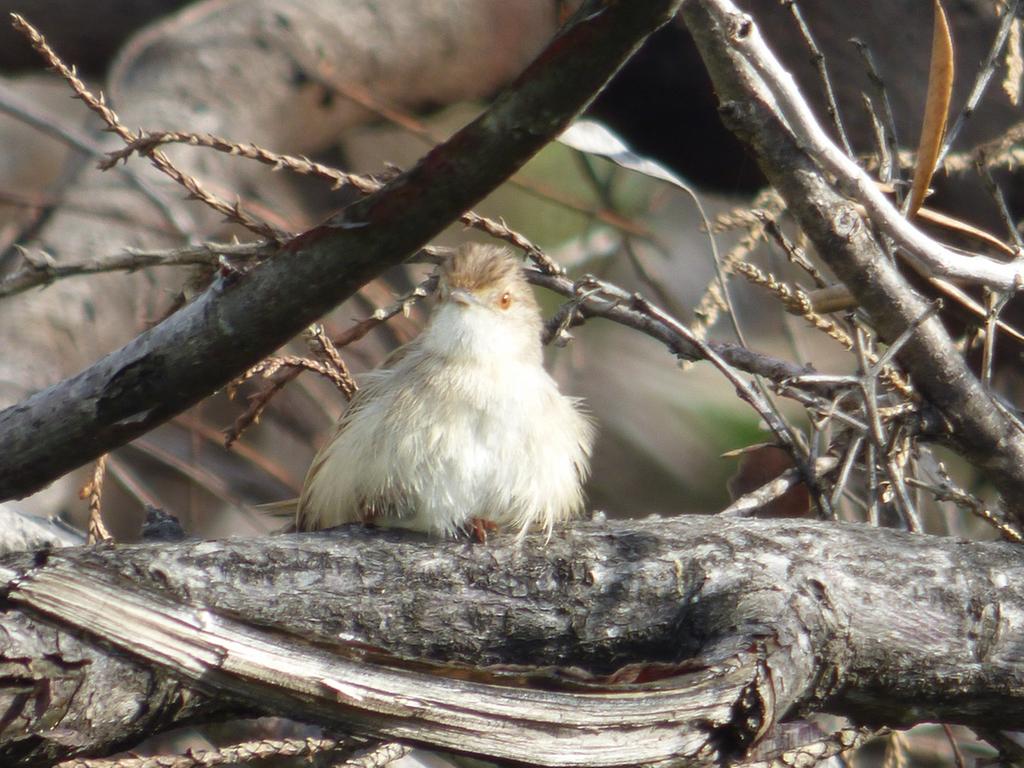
(793, 157)
(243, 317)
(687, 638)
(928, 255)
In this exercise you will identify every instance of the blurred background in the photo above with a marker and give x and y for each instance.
(354, 105)
(368, 86)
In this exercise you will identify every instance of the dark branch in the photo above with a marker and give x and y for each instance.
(245, 316)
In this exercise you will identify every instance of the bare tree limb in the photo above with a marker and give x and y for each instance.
(926, 254)
(243, 317)
(791, 155)
(685, 639)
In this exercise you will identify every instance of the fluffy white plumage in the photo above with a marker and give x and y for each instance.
(462, 425)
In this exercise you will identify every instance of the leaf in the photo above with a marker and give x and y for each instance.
(594, 139)
(936, 109)
(759, 466)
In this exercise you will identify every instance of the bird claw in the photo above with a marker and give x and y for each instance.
(479, 528)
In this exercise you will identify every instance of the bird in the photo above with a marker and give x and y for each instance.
(461, 431)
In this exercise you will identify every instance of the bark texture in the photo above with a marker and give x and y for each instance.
(648, 642)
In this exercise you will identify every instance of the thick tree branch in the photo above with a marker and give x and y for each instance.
(733, 624)
(793, 160)
(245, 316)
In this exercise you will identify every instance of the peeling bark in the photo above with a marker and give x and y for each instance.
(629, 643)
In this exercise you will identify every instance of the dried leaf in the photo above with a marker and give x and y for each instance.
(966, 230)
(936, 109)
(760, 464)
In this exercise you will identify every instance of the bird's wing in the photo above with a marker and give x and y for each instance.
(305, 520)
(398, 354)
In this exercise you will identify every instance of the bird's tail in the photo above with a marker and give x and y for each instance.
(278, 510)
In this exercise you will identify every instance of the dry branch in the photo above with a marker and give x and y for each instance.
(763, 74)
(243, 317)
(40, 270)
(793, 151)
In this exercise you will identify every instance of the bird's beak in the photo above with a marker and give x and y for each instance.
(463, 297)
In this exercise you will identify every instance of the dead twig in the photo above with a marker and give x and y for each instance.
(281, 375)
(41, 269)
(241, 753)
(147, 143)
(324, 348)
(93, 490)
(97, 104)
(749, 503)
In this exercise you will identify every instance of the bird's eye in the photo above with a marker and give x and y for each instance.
(505, 301)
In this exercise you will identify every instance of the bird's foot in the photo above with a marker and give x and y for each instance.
(480, 527)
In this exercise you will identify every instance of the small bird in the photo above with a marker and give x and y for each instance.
(461, 430)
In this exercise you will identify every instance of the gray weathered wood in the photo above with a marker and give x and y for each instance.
(743, 621)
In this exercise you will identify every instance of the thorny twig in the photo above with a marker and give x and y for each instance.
(868, 424)
(947, 490)
(749, 503)
(41, 269)
(589, 291)
(923, 252)
(301, 165)
(818, 59)
(97, 104)
(146, 143)
(281, 375)
(324, 348)
(888, 121)
(93, 490)
(881, 441)
(796, 301)
(794, 253)
(985, 172)
(279, 370)
(985, 72)
(816, 392)
(580, 307)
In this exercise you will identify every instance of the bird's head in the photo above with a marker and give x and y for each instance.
(485, 305)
